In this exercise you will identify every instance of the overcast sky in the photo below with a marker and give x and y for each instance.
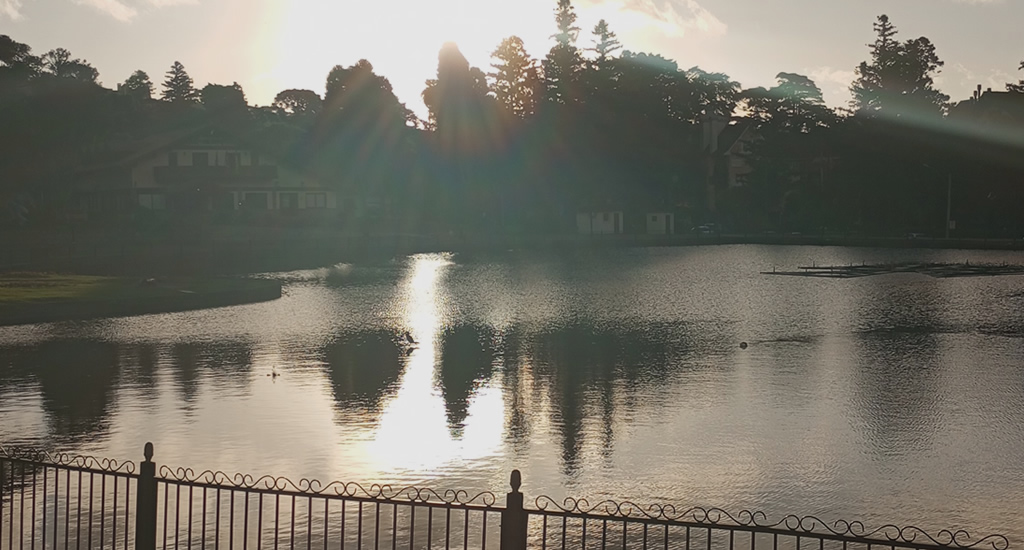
(271, 45)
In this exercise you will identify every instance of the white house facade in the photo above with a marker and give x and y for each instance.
(206, 176)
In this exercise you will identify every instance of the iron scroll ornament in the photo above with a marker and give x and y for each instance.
(798, 525)
(315, 487)
(45, 458)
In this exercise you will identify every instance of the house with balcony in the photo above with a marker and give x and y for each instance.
(198, 176)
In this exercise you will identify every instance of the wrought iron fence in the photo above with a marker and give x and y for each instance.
(62, 501)
(51, 501)
(212, 509)
(627, 525)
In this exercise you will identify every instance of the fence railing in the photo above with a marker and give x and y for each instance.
(51, 501)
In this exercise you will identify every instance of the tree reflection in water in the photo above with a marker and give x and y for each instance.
(363, 368)
(76, 380)
(467, 359)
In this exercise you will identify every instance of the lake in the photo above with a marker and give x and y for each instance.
(603, 374)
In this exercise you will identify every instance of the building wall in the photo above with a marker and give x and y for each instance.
(285, 200)
(660, 224)
(142, 172)
(301, 192)
(738, 165)
(739, 171)
(287, 177)
(599, 223)
(712, 127)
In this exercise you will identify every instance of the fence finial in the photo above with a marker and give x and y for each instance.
(516, 481)
(148, 452)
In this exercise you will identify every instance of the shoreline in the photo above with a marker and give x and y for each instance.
(260, 251)
(28, 312)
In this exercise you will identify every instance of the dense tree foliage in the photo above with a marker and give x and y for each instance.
(59, 63)
(1019, 86)
(788, 158)
(795, 104)
(223, 99)
(138, 86)
(298, 102)
(515, 81)
(898, 81)
(589, 127)
(17, 66)
(358, 96)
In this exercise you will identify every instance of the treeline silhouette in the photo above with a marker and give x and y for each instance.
(525, 144)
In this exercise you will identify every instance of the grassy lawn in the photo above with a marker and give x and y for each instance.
(20, 288)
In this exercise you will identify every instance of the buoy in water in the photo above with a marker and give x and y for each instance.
(743, 345)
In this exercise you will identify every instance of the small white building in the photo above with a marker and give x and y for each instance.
(661, 223)
(599, 223)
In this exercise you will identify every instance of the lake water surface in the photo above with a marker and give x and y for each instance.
(611, 374)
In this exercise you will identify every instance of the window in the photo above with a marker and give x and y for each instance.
(288, 201)
(316, 200)
(172, 158)
(200, 159)
(231, 160)
(605, 217)
(654, 217)
(152, 201)
(255, 201)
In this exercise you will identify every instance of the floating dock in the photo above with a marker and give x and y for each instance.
(939, 270)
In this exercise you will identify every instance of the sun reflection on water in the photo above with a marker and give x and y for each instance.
(413, 434)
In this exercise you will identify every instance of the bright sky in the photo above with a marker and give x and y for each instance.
(271, 45)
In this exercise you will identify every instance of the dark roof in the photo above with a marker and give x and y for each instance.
(125, 153)
(731, 134)
(992, 106)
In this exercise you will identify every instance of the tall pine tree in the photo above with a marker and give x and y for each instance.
(605, 43)
(563, 64)
(514, 78)
(178, 88)
(898, 80)
(601, 73)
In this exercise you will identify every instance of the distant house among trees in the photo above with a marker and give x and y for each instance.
(201, 175)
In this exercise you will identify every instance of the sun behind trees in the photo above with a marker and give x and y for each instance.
(898, 81)
(588, 129)
(516, 81)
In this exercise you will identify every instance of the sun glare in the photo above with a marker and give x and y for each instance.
(413, 434)
(300, 41)
(401, 38)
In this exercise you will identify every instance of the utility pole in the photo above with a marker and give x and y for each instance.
(949, 201)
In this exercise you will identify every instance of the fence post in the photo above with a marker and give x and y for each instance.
(513, 517)
(145, 503)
